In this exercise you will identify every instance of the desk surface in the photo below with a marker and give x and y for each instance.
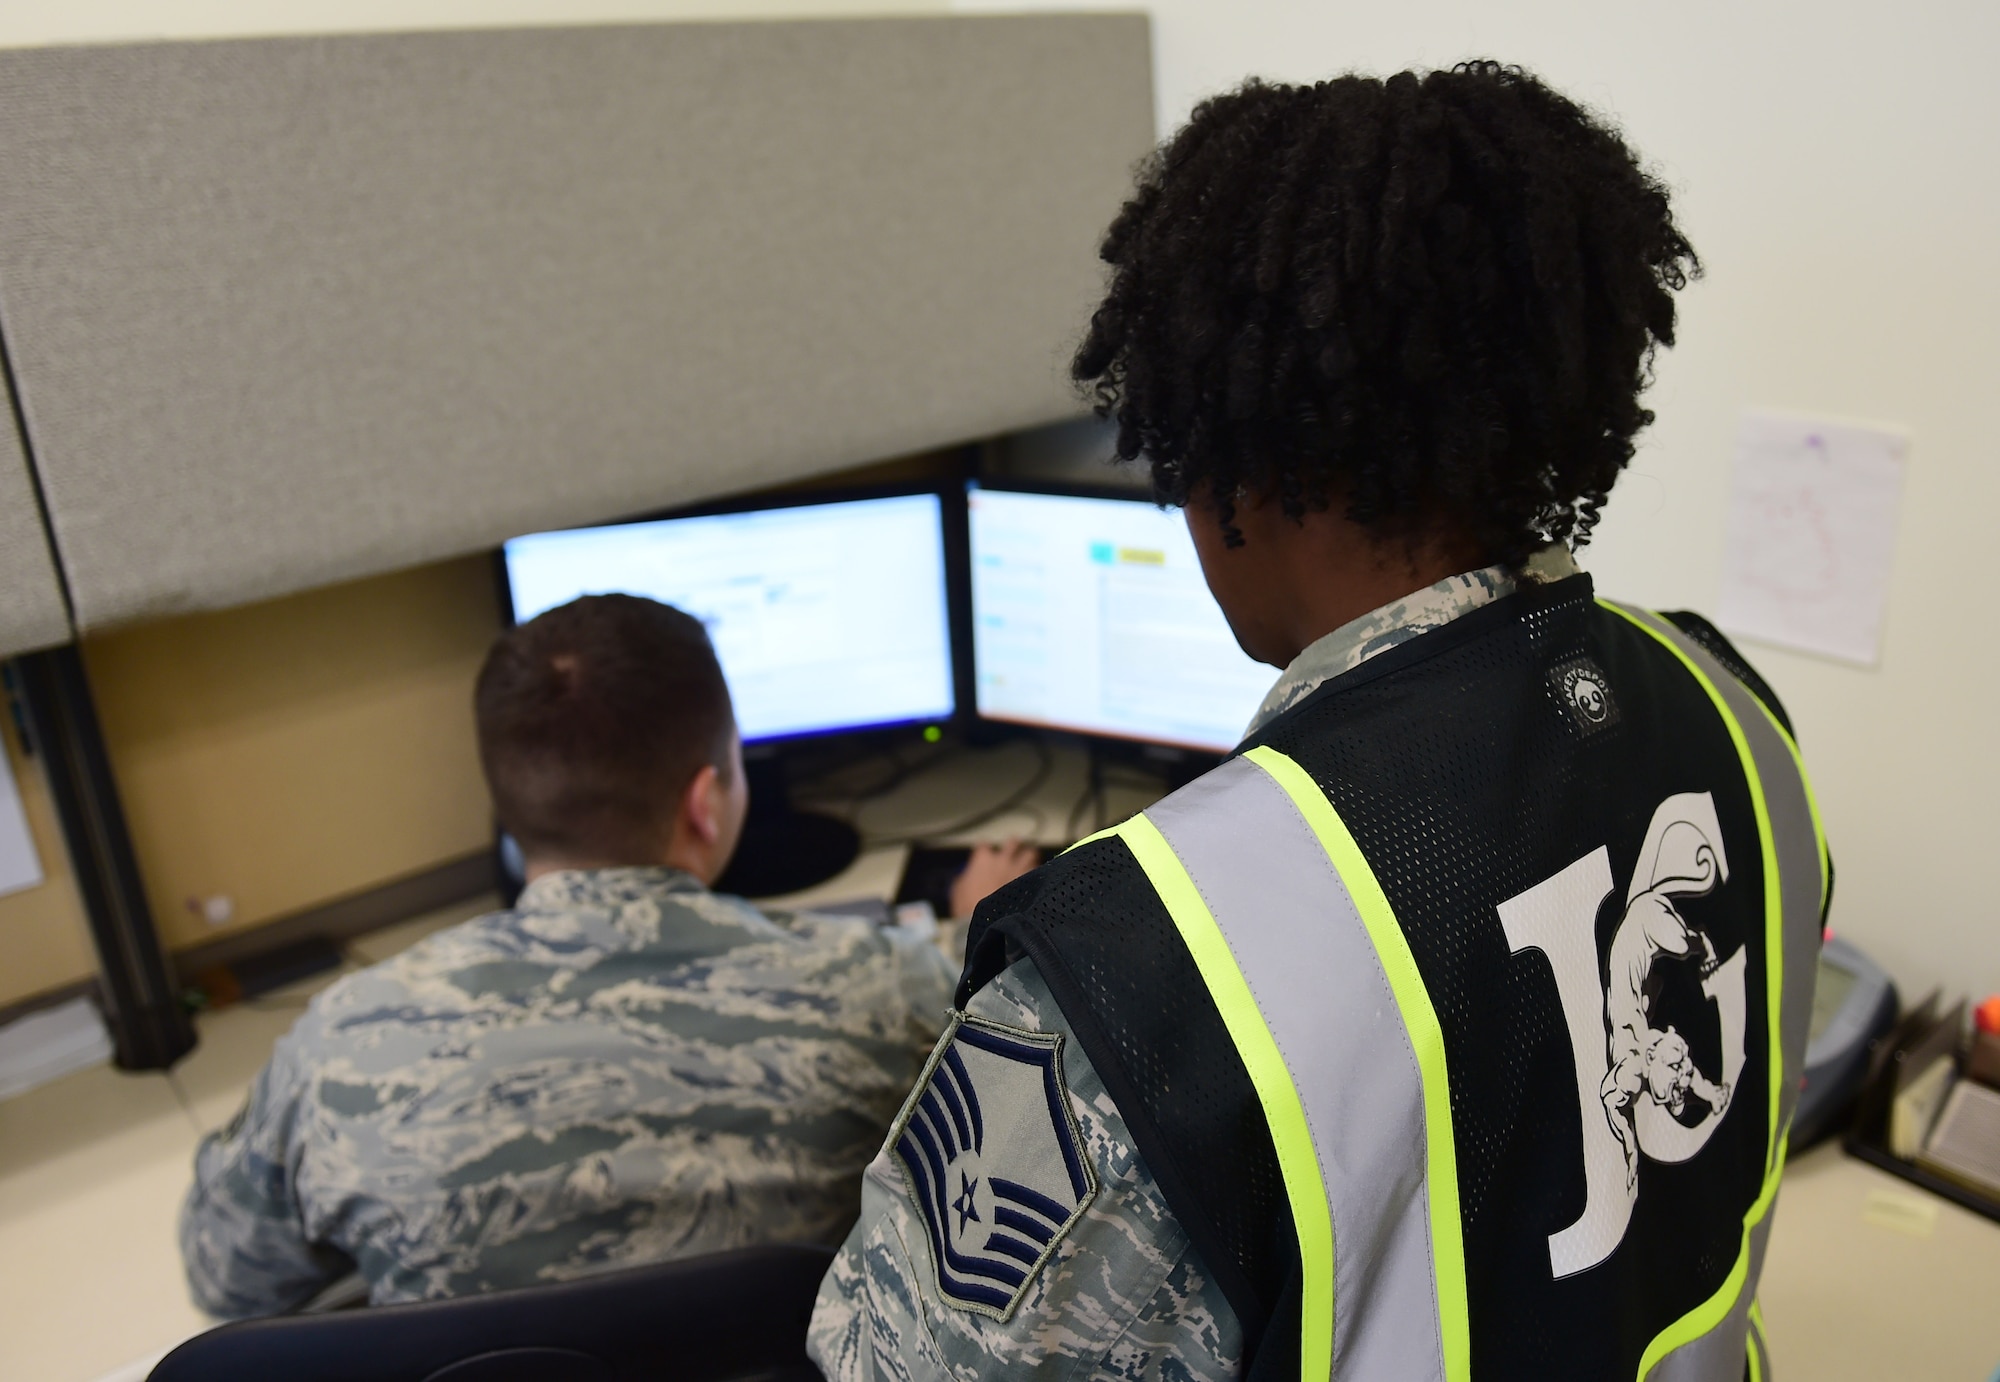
(1870, 1277)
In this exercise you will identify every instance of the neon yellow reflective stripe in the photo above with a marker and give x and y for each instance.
(1268, 1075)
(1758, 1342)
(1711, 1312)
(1426, 1039)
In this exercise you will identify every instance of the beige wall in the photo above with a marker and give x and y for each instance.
(282, 755)
(288, 753)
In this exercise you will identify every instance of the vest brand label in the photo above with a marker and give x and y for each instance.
(992, 1161)
(1585, 692)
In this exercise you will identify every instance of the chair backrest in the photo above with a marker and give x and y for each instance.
(730, 1317)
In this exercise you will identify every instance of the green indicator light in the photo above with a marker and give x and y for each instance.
(932, 734)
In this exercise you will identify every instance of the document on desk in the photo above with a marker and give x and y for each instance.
(1812, 532)
(20, 866)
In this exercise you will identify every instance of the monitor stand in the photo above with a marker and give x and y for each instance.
(783, 849)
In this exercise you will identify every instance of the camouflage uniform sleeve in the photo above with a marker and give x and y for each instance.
(926, 980)
(243, 1240)
(1123, 1297)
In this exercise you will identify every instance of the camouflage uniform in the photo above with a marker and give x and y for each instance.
(624, 1068)
(1123, 1295)
(1350, 645)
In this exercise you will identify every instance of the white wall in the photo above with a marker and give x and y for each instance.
(1838, 168)
(24, 22)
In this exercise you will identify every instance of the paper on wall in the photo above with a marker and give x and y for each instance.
(1812, 532)
(20, 866)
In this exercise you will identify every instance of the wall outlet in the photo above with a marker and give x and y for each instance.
(218, 910)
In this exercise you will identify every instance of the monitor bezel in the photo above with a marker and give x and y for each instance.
(955, 540)
(1063, 489)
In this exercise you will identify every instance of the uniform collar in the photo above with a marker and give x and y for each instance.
(570, 889)
(1399, 621)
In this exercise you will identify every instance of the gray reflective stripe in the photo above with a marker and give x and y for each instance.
(1300, 942)
(1719, 1355)
(1800, 877)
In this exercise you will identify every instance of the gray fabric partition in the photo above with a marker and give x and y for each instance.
(289, 311)
(31, 602)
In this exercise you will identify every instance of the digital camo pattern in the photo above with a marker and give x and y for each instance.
(1124, 1295)
(625, 1068)
(1397, 622)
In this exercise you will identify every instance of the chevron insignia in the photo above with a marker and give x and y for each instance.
(993, 1161)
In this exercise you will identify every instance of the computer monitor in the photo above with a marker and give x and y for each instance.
(1089, 613)
(826, 617)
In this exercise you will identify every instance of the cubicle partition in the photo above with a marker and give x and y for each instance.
(284, 312)
(31, 600)
(289, 311)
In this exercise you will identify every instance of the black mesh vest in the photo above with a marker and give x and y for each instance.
(1469, 765)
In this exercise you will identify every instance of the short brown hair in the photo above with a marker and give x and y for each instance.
(593, 717)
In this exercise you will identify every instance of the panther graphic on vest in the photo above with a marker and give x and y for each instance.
(1682, 857)
(1633, 1077)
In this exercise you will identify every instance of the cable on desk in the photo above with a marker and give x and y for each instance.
(1046, 762)
(850, 802)
(1093, 791)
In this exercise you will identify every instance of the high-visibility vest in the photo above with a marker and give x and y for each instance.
(1656, 961)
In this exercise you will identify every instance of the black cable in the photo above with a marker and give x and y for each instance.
(1093, 790)
(906, 771)
(899, 772)
(1069, 821)
(811, 771)
(848, 803)
(1106, 773)
(1045, 766)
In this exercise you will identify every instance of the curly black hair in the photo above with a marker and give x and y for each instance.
(1434, 297)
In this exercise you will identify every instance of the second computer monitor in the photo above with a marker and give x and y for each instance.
(1090, 614)
(825, 616)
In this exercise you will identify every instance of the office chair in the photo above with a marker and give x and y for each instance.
(730, 1317)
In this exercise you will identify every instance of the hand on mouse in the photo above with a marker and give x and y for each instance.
(992, 866)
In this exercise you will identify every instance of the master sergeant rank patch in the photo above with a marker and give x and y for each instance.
(993, 1161)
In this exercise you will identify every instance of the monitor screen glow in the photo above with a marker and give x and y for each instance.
(1091, 614)
(825, 617)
